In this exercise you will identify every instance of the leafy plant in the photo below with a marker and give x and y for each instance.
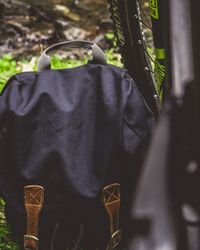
(5, 238)
(5, 241)
(9, 66)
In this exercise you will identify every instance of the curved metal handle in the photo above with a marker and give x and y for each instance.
(44, 61)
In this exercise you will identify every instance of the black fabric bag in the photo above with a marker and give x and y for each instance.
(71, 131)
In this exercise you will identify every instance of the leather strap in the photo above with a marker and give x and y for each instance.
(33, 200)
(111, 202)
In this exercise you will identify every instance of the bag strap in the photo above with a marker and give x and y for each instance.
(44, 62)
(33, 199)
(111, 201)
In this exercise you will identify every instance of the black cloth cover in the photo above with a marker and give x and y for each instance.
(72, 131)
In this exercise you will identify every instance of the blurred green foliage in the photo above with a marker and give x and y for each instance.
(10, 66)
(5, 238)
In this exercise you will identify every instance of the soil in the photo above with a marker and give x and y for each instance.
(28, 25)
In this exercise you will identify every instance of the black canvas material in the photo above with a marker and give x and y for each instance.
(72, 131)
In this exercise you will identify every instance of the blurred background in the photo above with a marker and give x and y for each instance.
(28, 24)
